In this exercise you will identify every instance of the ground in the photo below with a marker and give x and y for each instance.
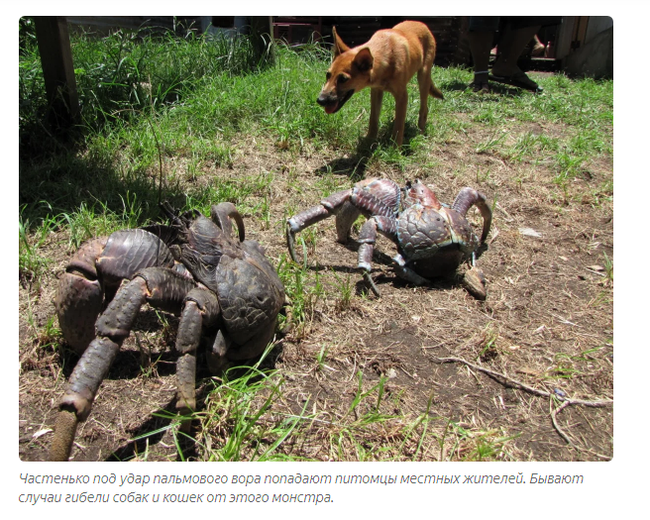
(433, 353)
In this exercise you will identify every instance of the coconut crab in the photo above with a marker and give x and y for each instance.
(223, 288)
(432, 239)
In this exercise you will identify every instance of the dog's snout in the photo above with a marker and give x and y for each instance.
(323, 100)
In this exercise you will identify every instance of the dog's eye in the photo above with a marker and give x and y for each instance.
(342, 79)
(328, 75)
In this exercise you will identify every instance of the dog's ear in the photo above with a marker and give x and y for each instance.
(363, 60)
(339, 46)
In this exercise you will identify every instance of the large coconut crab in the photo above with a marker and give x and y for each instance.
(223, 288)
(432, 239)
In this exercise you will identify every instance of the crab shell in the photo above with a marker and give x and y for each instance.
(434, 240)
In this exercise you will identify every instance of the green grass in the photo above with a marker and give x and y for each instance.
(238, 402)
(160, 113)
(200, 104)
(302, 295)
(478, 445)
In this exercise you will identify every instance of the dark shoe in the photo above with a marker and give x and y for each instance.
(519, 80)
(480, 86)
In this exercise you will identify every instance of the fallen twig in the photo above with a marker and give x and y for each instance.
(513, 383)
(508, 218)
(554, 412)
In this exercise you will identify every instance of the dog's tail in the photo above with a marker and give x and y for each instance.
(435, 91)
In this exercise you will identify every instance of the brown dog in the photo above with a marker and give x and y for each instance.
(385, 63)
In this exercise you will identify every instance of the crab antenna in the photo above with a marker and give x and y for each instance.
(170, 212)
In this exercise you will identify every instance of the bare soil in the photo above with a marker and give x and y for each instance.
(547, 323)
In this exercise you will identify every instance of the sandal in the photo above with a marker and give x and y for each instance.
(519, 80)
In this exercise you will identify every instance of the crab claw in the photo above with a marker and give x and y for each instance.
(291, 242)
(474, 282)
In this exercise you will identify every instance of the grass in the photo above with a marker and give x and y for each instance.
(238, 423)
(194, 119)
(161, 114)
(31, 263)
(302, 296)
(479, 445)
(238, 406)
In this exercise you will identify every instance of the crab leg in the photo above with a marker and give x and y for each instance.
(162, 288)
(469, 197)
(82, 387)
(371, 197)
(201, 309)
(406, 273)
(329, 206)
(221, 215)
(367, 239)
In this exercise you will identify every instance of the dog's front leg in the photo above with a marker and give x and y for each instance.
(376, 98)
(401, 100)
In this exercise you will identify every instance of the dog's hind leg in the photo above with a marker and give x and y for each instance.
(425, 83)
(401, 101)
(376, 98)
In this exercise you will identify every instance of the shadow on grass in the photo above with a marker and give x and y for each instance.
(57, 175)
(355, 165)
(154, 429)
(441, 283)
(495, 88)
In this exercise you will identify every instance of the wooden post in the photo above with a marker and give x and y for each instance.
(56, 60)
(262, 38)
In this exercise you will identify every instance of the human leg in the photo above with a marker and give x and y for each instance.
(481, 36)
(505, 68)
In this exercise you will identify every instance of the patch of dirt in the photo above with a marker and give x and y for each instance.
(547, 323)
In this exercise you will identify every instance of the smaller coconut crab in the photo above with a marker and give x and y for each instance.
(223, 288)
(432, 239)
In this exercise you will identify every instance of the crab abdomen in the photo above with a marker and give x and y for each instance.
(129, 251)
(79, 297)
(94, 274)
(250, 296)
